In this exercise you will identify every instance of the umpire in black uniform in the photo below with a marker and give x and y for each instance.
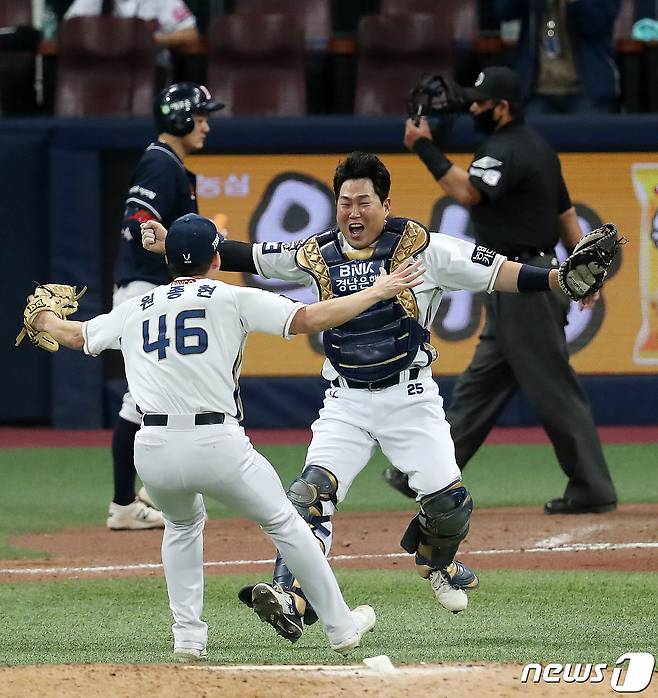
(520, 207)
(163, 189)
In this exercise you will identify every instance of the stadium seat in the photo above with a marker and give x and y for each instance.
(393, 52)
(15, 13)
(18, 47)
(256, 65)
(314, 16)
(462, 15)
(105, 67)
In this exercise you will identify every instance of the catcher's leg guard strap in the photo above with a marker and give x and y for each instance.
(435, 533)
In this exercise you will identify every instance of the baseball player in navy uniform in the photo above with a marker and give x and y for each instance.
(378, 366)
(161, 189)
(182, 344)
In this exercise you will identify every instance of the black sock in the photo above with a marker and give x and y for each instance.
(123, 444)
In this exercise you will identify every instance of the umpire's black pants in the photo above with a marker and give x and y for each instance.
(523, 347)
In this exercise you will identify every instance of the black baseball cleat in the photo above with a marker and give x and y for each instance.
(275, 606)
(566, 505)
(244, 595)
(398, 481)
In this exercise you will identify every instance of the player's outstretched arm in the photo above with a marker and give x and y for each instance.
(508, 278)
(331, 313)
(68, 333)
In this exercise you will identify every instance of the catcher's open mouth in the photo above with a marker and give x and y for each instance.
(356, 228)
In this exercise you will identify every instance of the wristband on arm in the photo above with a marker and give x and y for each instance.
(533, 279)
(435, 161)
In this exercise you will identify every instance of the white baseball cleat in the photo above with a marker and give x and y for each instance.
(133, 517)
(450, 583)
(190, 654)
(365, 619)
(454, 600)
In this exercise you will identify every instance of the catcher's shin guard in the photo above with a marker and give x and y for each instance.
(435, 533)
(308, 492)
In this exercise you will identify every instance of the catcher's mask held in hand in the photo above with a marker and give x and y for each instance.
(435, 95)
(584, 271)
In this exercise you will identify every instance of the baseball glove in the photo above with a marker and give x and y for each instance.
(583, 272)
(58, 298)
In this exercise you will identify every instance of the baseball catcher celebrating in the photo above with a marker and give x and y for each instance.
(182, 344)
(378, 367)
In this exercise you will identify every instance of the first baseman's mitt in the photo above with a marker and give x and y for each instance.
(583, 272)
(58, 298)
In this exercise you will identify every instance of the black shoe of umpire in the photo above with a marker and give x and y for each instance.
(398, 481)
(566, 505)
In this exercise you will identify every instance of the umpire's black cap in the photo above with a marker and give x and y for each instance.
(495, 82)
(192, 241)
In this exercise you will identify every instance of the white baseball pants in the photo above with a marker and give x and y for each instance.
(408, 423)
(179, 463)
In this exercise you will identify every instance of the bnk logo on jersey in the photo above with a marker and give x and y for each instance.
(483, 255)
(355, 276)
(636, 678)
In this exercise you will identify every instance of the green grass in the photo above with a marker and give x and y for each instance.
(514, 617)
(45, 489)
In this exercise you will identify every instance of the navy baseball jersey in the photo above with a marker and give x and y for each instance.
(161, 189)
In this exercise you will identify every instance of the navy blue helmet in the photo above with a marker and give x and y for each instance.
(174, 107)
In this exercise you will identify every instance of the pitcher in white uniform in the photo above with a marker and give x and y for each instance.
(182, 345)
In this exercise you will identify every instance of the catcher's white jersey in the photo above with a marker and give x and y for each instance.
(452, 265)
(181, 338)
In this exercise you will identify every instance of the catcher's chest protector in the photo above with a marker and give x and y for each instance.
(384, 339)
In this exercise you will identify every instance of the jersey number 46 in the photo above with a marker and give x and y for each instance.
(183, 336)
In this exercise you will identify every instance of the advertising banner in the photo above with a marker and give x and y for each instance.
(281, 198)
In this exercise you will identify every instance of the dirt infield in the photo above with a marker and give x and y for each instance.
(437, 681)
(515, 538)
(500, 538)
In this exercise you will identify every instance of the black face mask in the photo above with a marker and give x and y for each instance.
(485, 122)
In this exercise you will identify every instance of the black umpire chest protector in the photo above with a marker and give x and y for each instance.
(384, 339)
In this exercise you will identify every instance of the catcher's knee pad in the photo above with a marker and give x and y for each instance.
(435, 533)
(316, 485)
